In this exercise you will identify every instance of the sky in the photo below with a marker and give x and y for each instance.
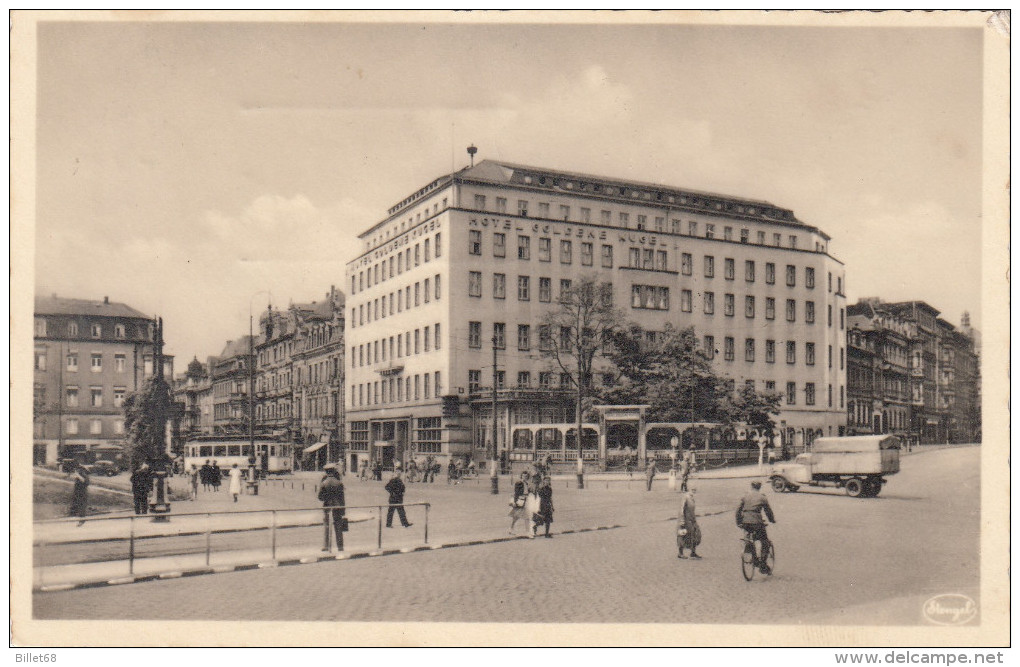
(198, 170)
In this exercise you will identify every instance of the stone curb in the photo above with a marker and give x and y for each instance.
(177, 574)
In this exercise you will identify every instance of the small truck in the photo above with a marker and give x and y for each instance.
(857, 463)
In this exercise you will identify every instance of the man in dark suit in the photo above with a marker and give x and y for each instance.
(331, 493)
(396, 489)
(141, 484)
(749, 517)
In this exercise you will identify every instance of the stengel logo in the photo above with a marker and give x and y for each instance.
(950, 609)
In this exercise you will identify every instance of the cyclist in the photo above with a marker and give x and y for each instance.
(749, 518)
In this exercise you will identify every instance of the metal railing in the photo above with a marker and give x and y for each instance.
(134, 535)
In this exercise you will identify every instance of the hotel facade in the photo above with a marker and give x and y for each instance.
(473, 260)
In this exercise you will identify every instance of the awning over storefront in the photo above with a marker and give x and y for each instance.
(316, 447)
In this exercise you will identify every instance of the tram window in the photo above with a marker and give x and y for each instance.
(234, 450)
(220, 450)
(205, 450)
(272, 450)
(284, 451)
(246, 450)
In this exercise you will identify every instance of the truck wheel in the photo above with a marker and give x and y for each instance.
(873, 487)
(778, 484)
(854, 487)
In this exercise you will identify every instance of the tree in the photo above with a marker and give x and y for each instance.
(575, 334)
(670, 373)
(146, 413)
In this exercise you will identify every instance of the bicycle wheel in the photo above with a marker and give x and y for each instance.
(747, 566)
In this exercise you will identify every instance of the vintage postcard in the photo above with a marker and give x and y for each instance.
(428, 328)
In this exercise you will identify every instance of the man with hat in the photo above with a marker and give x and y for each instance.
(749, 518)
(396, 489)
(331, 493)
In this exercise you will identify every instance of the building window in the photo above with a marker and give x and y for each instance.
(791, 310)
(523, 288)
(728, 233)
(777, 240)
(709, 346)
(427, 257)
(438, 245)
(685, 300)
(417, 260)
(791, 352)
(809, 393)
(728, 348)
(96, 397)
(660, 260)
(728, 268)
(749, 306)
(474, 381)
(635, 258)
(545, 380)
(585, 214)
(71, 397)
(709, 266)
(40, 360)
(761, 238)
(118, 331)
(97, 362)
(544, 250)
(72, 329)
(587, 254)
(523, 247)
(709, 303)
(523, 379)
(118, 396)
(438, 292)
(566, 252)
(749, 349)
(606, 217)
(499, 286)
(96, 426)
(841, 322)
(642, 222)
(499, 245)
(565, 343)
(499, 335)
(770, 273)
(625, 220)
(793, 241)
(72, 426)
(543, 209)
(692, 228)
(745, 235)
(809, 312)
(791, 393)
(522, 207)
(809, 354)
(650, 297)
(770, 351)
(428, 341)
(474, 334)
(829, 310)
(749, 270)
(809, 277)
(474, 242)
(791, 275)
(500, 204)
(475, 283)
(709, 231)
(607, 256)
(40, 327)
(523, 337)
(480, 202)
(686, 263)
(545, 341)
(564, 212)
(728, 305)
(564, 289)
(647, 259)
(830, 356)
(97, 331)
(841, 358)
(545, 290)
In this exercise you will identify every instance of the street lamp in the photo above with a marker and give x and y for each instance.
(252, 473)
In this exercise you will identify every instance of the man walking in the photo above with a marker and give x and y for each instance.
(650, 473)
(141, 484)
(331, 493)
(749, 518)
(396, 489)
(688, 532)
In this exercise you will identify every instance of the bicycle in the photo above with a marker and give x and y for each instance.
(750, 559)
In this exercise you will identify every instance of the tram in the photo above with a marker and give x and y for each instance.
(277, 457)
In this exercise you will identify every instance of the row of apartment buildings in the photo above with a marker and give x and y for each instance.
(912, 373)
(296, 364)
(403, 365)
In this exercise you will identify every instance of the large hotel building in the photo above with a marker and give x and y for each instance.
(472, 260)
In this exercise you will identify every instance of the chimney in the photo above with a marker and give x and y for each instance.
(106, 301)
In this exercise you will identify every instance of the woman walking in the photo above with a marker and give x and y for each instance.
(545, 507)
(235, 482)
(519, 500)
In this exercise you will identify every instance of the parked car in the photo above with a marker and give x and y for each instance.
(102, 467)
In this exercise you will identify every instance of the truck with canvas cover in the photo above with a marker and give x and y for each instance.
(857, 463)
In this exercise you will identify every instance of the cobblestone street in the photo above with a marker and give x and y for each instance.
(839, 560)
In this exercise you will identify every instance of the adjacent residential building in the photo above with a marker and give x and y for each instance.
(89, 355)
(231, 375)
(879, 383)
(194, 394)
(472, 260)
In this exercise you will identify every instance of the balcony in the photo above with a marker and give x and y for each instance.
(392, 369)
(482, 394)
